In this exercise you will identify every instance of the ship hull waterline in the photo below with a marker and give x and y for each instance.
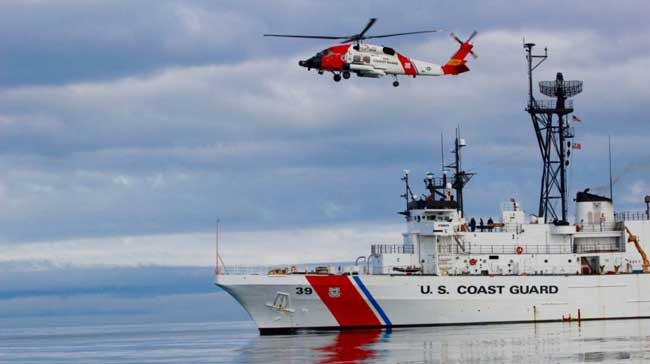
(294, 302)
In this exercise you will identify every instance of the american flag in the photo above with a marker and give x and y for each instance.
(576, 146)
(575, 119)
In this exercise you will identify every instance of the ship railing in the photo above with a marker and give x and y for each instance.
(408, 270)
(506, 249)
(640, 215)
(378, 249)
(587, 247)
(593, 228)
(509, 228)
(577, 248)
(548, 106)
(497, 227)
(252, 269)
(282, 269)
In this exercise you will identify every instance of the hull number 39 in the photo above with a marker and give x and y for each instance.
(304, 290)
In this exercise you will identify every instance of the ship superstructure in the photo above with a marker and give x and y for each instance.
(440, 241)
(451, 269)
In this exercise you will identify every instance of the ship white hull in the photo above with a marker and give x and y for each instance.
(280, 303)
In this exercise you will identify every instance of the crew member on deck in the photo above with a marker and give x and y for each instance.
(472, 225)
(481, 225)
(490, 224)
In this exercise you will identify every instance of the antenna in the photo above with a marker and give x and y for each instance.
(216, 269)
(611, 195)
(461, 177)
(442, 153)
(549, 118)
(408, 194)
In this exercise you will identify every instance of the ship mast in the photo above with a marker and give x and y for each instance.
(553, 134)
(461, 178)
(440, 187)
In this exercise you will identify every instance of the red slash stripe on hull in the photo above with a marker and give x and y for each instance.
(349, 308)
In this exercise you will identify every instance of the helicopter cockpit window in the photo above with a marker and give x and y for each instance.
(389, 51)
(356, 59)
(366, 59)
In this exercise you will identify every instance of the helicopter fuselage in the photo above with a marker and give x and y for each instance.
(368, 60)
(354, 55)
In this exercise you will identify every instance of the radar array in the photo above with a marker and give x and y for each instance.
(554, 136)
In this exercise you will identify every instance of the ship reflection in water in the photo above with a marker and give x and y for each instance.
(352, 346)
(624, 341)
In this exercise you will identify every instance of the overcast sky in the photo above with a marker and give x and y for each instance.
(127, 128)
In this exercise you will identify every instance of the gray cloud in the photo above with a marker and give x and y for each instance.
(152, 118)
(47, 42)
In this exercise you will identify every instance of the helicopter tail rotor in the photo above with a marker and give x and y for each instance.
(465, 43)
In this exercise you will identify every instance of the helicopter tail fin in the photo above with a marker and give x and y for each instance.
(457, 63)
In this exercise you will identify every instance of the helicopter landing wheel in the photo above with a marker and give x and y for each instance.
(395, 83)
(346, 74)
(337, 77)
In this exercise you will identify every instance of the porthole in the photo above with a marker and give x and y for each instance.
(545, 260)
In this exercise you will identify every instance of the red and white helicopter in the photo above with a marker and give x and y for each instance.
(352, 55)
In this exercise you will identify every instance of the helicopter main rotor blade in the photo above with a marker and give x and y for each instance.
(304, 36)
(371, 22)
(392, 35)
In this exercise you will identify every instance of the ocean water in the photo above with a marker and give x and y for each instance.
(626, 341)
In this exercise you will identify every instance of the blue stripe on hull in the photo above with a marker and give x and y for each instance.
(372, 300)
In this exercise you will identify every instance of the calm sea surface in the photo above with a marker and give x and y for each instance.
(601, 342)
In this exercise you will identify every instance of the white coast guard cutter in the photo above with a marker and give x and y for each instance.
(451, 269)
(448, 271)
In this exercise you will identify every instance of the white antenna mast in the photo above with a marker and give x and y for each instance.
(442, 153)
(611, 188)
(217, 269)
